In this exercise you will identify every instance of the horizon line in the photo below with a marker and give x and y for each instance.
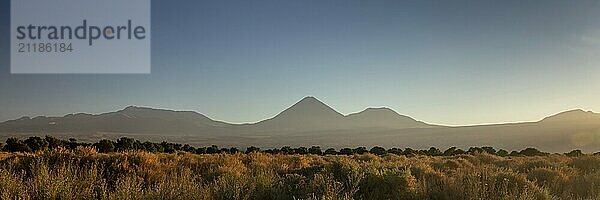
(345, 115)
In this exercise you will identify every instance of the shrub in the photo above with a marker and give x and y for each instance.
(330, 151)
(105, 146)
(16, 145)
(532, 152)
(36, 143)
(575, 153)
(315, 150)
(545, 177)
(387, 184)
(81, 172)
(502, 153)
(378, 150)
(586, 164)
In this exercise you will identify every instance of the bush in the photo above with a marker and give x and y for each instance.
(575, 153)
(387, 184)
(36, 143)
(106, 146)
(378, 150)
(532, 152)
(16, 145)
(586, 164)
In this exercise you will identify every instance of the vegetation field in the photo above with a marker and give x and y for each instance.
(84, 173)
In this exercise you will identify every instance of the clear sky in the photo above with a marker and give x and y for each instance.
(444, 62)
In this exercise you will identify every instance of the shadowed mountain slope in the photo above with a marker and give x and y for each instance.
(129, 120)
(311, 122)
(307, 114)
(383, 117)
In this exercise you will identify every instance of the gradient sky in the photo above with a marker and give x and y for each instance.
(443, 62)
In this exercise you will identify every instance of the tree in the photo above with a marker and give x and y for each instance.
(16, 145)
(301, 150)
(409, 152)
(287, 150)
(224, 150)
(138, 145)
(177, 146)
(252, 149)
(450, 151)
(377, 150)
(360, 150)
(434, 152)
(167, 147)
(502, 153)
(459, 152)
(201, 150)
(532, 152)
(125, 144)
(188, 148)
(474, 150)
(105, 146)
(346, 151)
(489, 150)
(212, 149)
(72, 143)
(395, 150)
(53, 142)
(36, 143)
(151, 147)
(574, 153)
(330, 151)
(316, 150)
(273, 151)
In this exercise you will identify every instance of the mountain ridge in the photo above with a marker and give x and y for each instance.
(312, 122)
(574, 115)
(138, 111)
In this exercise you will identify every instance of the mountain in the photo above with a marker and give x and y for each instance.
(310, 114)
(129, 120)
(307, 114)
(577, 116)
(311, 122)
(383, 117)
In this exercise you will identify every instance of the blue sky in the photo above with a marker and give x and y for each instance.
(444, 62)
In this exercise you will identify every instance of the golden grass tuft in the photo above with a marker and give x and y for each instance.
(84, 173)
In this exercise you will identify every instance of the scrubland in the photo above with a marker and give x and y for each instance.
(83, 173)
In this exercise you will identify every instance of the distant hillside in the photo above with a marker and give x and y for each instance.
(383, 117)
(129, 120)
(310, 114)
(311, 122)
(574, 117)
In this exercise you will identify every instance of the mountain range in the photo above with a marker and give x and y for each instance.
(311, 122)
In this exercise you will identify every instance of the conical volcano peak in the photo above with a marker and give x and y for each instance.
(309, 100)
(309, 107)
(307, 114)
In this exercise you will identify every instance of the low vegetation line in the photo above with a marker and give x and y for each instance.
(124, 144)
(49, 168)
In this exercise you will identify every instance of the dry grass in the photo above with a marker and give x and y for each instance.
(86, 174)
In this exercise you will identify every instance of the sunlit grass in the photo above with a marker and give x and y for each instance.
(86, 174)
